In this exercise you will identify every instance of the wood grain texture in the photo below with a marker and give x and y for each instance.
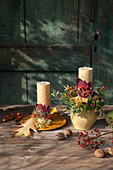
(85, 22)
(42, 150)
(52, 22)
(103, 41)
(45, 58)
(13, 88)
(11, 22)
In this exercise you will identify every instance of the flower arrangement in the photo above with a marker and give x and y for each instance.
(41, 114)
(81, 98)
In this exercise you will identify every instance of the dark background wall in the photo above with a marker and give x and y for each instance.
(49, 40)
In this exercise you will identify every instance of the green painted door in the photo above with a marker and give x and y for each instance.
(49, 40)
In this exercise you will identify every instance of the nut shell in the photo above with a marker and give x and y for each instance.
(67, 132)
(99, 153)
(60, 136)
(110, 151)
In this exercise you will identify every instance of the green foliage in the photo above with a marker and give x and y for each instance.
(95, 98)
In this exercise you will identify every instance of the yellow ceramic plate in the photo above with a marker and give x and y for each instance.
(57, 121)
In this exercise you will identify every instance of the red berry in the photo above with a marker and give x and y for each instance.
(99, 133)
(78, 142)
(7, 116)
(12, 114)
(4, 120)
(68, 95)
(58, 96)
(75, 87)
(91, 131)
(99, 143)
(78, 137)
(87, 143)
(91, 142)
(86, 133)
(81, 133)
(91, 138)
(18, 113)
(34, 115)
(97, 130)
(18, 117)
(86, 138)
(95, 147)
(112, 141)
(109, 138)
(94, 128)
(10, 118)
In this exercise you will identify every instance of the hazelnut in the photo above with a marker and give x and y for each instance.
(60, 136)
(99, 153)
(67, 132)
(110, 150)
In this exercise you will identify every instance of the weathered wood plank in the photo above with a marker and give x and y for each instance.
(13, 88)
(44, 58)
(52, 22)
(103, 41)
(85, 22)
(11, 22)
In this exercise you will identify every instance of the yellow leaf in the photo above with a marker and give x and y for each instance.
(54, 111)
(70, 88)
(25, 128)
(78, 100)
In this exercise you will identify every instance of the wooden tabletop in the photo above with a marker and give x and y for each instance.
(43, 151)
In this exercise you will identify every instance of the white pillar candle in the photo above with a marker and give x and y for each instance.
(43, 93)
(85, 74)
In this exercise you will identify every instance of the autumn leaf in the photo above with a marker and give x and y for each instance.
(81, 83)
(70, 88)
(54, 110)
(79, 100)
(25, 128)
(43, 108)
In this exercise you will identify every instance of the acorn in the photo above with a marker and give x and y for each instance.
(60, 136)
(99, 153)
(67, 132)
(110, 151)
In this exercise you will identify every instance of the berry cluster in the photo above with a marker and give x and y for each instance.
(11, 116)
(86, 141)
(111, 140)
